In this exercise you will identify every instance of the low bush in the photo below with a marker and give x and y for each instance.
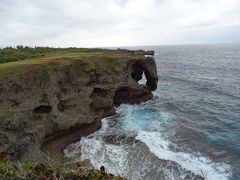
(37, 171)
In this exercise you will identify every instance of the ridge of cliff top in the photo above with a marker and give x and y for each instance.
(17, 61)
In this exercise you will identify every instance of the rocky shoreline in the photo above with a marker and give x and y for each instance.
(50, 103)
(55, 145)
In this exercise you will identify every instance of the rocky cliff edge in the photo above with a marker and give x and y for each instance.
(41, 99)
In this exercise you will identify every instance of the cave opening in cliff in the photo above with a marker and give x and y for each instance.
(138, 73)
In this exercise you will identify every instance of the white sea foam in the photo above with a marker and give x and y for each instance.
(111, 156)
(198, 165)
(148, 126)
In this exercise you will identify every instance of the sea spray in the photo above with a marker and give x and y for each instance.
(137, 136)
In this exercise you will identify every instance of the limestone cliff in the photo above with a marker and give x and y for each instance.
(47, 98)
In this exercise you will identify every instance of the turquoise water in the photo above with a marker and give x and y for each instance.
(189, 130)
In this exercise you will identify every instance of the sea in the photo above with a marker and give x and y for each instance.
(189, 130)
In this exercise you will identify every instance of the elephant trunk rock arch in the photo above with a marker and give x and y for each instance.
(142, 68)
(135, 92)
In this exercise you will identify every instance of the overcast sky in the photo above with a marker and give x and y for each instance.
(95, 23)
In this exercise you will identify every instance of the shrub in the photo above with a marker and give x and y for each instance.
(25, 171)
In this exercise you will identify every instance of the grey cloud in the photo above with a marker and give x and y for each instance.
(113, 22)
(122, 3)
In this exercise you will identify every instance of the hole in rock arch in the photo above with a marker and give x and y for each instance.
(143, 81)
(143, 75)
(138, 73)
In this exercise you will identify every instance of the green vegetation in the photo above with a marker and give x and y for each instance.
(19, 53)
(110, 62)
(21, 60)
(37, 171)
(6, 114)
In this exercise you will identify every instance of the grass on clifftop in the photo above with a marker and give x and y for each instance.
(15, 61)
(20, 60)
(20, 53)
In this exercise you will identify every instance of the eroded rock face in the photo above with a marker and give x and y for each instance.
(148, 68)
(39, 104)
